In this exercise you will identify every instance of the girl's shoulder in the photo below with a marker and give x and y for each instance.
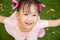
(42, 23)
(11, 20)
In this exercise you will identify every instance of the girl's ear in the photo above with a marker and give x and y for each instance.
(17, 13)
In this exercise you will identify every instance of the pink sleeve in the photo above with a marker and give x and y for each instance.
(10, 23)
(41, 24)
(41, 33)
(7, 21)
(10, 20)
(44, 23)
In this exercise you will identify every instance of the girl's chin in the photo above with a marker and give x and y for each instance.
(28, 27)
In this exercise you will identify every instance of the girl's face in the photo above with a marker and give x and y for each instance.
(28, 19)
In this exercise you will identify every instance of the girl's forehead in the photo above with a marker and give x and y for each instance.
(31, 8)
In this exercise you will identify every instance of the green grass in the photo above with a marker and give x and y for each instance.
(51, 33)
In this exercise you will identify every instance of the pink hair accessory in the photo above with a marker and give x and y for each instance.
(14, 1)
(41, 6)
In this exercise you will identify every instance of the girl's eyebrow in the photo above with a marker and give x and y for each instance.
(34, 12)
(26, 11)
(30, 12)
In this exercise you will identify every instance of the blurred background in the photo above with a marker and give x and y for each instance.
(50, 12)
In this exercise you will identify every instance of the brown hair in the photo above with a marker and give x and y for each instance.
(22, 3)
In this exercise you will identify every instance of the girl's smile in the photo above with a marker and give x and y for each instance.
(28, 19)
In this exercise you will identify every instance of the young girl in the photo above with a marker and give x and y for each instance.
(25, 23)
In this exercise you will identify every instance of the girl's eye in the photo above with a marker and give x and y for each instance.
(26, 14)
(34, 15)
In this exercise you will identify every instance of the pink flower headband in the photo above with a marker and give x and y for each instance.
(17, 4)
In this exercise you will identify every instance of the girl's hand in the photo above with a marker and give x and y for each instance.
(2, 19)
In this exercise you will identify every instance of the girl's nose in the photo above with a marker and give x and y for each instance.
(30, 18)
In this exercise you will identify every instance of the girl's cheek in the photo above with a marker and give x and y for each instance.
(24, 18)
(35, 19)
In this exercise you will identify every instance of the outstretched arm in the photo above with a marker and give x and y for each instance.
(2, 19)
(53, 23)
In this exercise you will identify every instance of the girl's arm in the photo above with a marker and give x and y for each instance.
(54, 23)
(2, 19)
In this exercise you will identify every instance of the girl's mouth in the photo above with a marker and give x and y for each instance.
(28, 23)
